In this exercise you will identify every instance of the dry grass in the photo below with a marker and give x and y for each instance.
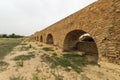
(6, 45)
(68, 61)
(3, 65)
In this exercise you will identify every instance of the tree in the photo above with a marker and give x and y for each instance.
(12, 35)
(4, 36)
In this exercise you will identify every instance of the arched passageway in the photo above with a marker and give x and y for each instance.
(49, 39)
(41, 38)
(37, 38)
(79, 40)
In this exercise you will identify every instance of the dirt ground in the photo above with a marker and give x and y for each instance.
(36, 69)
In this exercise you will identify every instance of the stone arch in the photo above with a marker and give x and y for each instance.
(71, 39)
(50, 39)
(41, 38)
(37, 38)
(77, 40)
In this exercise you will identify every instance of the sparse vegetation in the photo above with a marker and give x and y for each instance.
(24, 48)
(40, 45)
(6, 45)
(57, 76)
(68, 61)
(17, 78)
(55, 61)
(54, 54)
(35, 76)
(20, 63)
(24, 57)
(47, 49)
(23, 43)
(3, 65)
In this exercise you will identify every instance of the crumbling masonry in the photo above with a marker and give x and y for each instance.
(101, 20)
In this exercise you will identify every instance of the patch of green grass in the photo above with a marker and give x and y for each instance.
(3, 65)
(7, 45)
(47, 49)
(79, 60)
(73, 61)
(24, 57)
(60, 61)
(17, 78)
(35, 77)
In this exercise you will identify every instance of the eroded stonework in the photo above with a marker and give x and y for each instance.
(100, 19)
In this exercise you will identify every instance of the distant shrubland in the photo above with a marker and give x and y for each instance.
(13, 35)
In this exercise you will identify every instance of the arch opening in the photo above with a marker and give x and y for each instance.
(41, 38)
(81, 41)
(49, 39)
(37, 38)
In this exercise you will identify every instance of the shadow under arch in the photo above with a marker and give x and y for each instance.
(50, 39)
(79, 40)
(37, 38)
(41, 38)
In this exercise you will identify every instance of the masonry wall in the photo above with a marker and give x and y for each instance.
(87, 47)
(100, 19)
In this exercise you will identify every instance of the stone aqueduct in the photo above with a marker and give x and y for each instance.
(101, 20)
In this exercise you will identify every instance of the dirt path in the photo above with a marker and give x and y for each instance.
(36, 68)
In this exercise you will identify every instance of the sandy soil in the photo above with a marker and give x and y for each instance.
(36, 66)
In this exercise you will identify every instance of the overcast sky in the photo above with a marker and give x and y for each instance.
(28, 16)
